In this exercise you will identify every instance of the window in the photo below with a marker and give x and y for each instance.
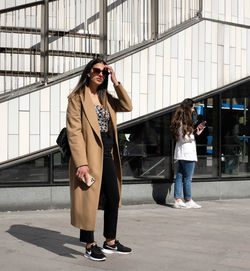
(146, 149)
(235, 133)
(33, 171)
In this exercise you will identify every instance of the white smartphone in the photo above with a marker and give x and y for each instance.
(91, 180)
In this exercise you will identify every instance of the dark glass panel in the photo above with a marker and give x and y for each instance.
(61, 168)
(203, 167)
(34, 171)
(235, 133)
(146, 149)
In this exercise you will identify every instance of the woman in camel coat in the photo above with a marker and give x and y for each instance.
(92, 135)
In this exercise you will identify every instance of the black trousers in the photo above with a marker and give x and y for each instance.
(109, 188)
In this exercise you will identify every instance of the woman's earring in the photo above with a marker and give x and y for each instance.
(88, 75)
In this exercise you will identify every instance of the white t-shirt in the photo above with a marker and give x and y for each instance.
(185, 149)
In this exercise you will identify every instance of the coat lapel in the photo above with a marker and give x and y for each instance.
(89, 109)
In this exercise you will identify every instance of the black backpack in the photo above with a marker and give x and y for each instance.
(62, 142)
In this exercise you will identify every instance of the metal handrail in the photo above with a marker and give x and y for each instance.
(28, 157)
(36, 31)
(28, 5)
(155, 165)
(110, 59)
(246, 26)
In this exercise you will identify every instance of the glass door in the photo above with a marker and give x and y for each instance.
(235, 134)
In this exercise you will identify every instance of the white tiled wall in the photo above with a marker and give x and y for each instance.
(236, 11)
(197, 60)
(3, 131)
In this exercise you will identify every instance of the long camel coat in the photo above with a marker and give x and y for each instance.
(87, 149)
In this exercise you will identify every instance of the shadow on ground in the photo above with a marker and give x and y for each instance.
(161, 192)
(52, 241)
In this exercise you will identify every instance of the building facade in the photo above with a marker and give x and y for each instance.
(162, 52)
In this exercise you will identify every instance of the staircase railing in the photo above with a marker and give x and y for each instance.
(43, 39)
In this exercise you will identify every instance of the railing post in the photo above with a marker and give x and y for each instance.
(154, 19)
(45, 40)
(199, 13)
(103, 28)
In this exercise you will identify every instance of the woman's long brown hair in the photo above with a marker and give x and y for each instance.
(182, 117)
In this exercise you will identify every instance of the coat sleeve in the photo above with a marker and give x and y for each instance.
(123, 102)
(74, 131)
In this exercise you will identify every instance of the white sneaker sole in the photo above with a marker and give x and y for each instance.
(179, 207)
(109, 251)
(193, 207)
(93, 259)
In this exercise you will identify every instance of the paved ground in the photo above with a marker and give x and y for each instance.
(214, 238)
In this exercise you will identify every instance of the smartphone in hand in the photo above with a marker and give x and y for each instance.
(202, 125)
(91, 180)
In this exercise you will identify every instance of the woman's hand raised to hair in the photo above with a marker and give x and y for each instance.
(112, 75)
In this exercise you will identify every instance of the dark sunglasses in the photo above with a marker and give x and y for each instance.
(97, 71)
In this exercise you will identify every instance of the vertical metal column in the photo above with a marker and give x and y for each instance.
(216, 123)
(248, 134)
(199, 13)
(244, 123)
(154, 19)
(44, 40)
(103, 28)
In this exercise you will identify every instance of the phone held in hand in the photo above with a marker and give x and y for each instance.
(91, 180)
(202, 125)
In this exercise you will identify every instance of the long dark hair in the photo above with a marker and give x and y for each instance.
(85, 79)
(183, 117)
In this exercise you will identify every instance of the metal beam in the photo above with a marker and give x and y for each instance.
(25, 73)
(103, 28)
(37, 31)
(28, 5)
(45, 40)
(154, 19)
(226, 22)
(199, 13)
(30, 52)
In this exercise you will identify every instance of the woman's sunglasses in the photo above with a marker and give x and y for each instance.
(97, 71)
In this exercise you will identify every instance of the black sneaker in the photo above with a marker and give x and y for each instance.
(116, 248)
(94, 253)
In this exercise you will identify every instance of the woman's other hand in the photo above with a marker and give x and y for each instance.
(112, 75)
(82, 172)
(199, 130)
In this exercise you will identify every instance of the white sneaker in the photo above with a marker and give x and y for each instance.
(179, 204)
(191, 204)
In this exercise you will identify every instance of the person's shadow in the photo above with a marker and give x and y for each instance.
(161, 192)
(53, 241)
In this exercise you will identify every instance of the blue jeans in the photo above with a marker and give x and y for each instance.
(184, 176)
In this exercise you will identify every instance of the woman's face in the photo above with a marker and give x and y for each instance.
(98, 74)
